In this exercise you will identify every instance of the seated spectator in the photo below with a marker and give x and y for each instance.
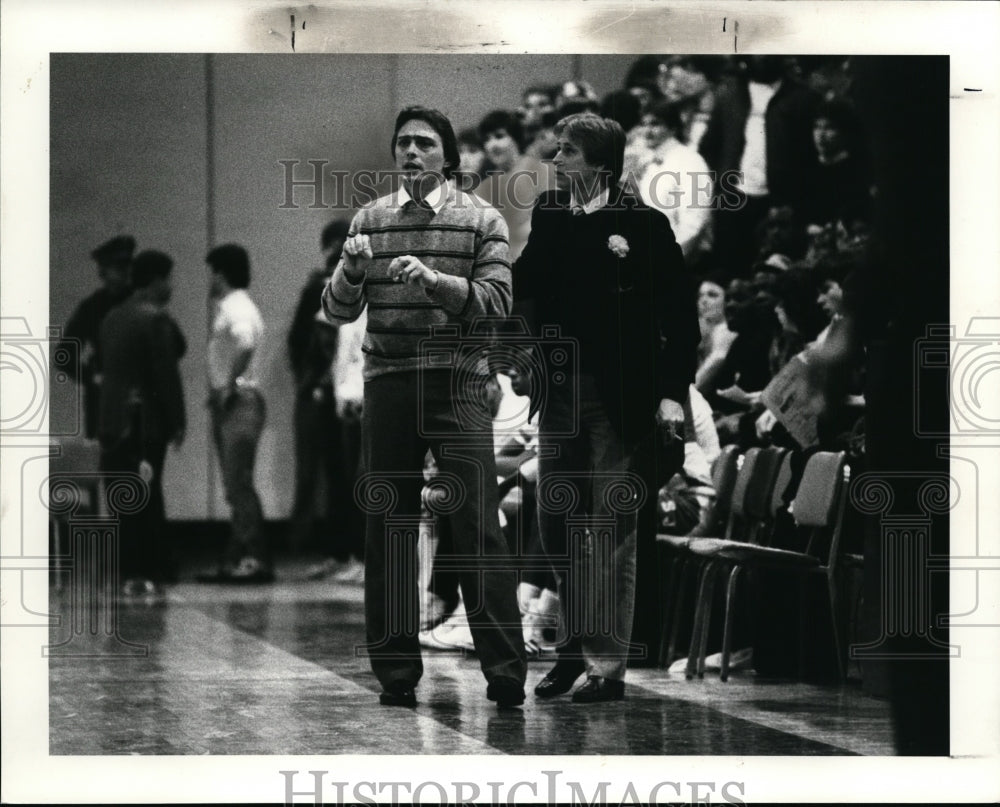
(472, 165)
(780, 233)
(544, 146)
(674, 181)
(716, 338)
(746, 369)
(536, 102)
(798, 314)
(576, 92)
(686, 501)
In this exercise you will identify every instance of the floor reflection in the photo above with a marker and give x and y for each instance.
(276, 670)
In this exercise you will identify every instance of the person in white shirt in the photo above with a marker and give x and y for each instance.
(677, 181)
(237, 411)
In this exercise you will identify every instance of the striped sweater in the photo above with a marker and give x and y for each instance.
(465, 240)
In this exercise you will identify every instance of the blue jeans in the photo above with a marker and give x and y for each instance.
(237, 424)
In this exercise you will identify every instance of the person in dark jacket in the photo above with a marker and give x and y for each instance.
(317, 428)
(608, 282)
(761, 127)
(113, 259)
(142, 411)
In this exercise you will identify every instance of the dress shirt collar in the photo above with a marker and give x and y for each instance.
(439, 196)
(599, 201)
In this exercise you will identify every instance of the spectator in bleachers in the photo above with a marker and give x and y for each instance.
(716, 338)
(514, 180)
(676, 181)
(746, 369)
(642, 81)
(685, 502)
(841, 180)
(761, 126)
(689, 81)
(544, 147)
(537, 101)
(472, 159)
(576, 92)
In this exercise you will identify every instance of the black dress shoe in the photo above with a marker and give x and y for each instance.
(560, 679)
(599, 689)
(505, 691)
(398, 693)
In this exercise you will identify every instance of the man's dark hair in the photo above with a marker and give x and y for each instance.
(502, 119)
(148, 266)
(601, 140)
(440, 124)
(231, 261)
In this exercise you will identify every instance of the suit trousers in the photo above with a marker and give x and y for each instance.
(405, 414)
(588, 496)
(237, 425)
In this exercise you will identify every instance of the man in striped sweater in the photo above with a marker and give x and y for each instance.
(427, 256)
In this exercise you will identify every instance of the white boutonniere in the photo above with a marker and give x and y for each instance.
(618, 245)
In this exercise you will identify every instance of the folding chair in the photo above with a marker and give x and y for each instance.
(818, 507)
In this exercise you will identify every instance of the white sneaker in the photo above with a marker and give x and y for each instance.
(323, 569)
(352, 572)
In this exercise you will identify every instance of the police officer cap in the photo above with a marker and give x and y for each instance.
(116, 251)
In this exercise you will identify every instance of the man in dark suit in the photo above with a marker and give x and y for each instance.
(606, 270)
(142, 410)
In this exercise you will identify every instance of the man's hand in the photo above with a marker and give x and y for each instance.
(670, 417)
(407, 269)
(355, 247)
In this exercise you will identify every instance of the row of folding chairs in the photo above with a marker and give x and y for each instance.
(751, 490)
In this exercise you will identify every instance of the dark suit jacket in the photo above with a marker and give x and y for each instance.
(140, 348)
(634, 319)
(790, 152)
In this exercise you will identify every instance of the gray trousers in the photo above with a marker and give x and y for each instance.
(587, 500)
(405, 414)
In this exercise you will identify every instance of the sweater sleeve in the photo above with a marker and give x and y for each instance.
(487, 290)
(528, 269)
(678, 314)
(342, 300)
